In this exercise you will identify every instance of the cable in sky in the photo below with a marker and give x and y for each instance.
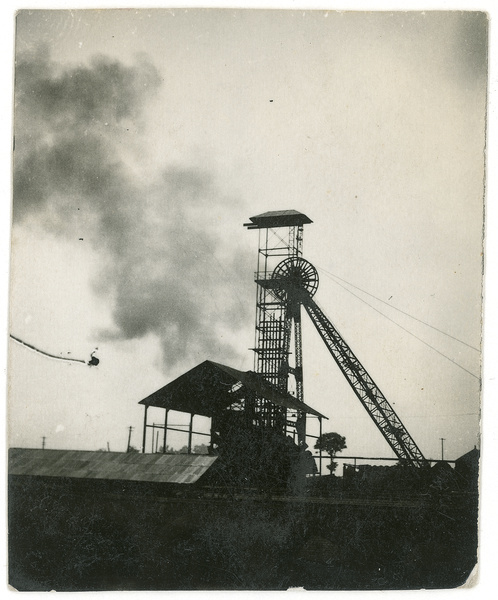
(399, 310)
(93, 362)
(407, 331)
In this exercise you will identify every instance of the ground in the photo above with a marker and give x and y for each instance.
(75, 536)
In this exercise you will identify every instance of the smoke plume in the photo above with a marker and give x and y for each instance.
(164, 264)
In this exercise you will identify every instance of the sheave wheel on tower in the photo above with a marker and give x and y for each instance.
(295, 276)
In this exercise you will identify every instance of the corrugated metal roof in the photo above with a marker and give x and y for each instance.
(162, 468)
(206, 389)
(278, 218)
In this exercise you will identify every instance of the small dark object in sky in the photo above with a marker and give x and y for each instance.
(81, 239)
(94, 361)
(271, 100)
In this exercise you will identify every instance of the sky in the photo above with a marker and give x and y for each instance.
(145, 139)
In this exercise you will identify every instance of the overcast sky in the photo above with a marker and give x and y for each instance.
(145, 139)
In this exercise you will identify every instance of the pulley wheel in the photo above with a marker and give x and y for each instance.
(293, 277)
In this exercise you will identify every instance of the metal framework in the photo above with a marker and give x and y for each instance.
(233, 399)
(278, 318)
(297, 280)
(369, 394)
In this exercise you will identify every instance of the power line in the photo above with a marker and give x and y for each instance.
(427, 416)
(45, 353)
(400, 310)
(94, 361)
(408, 331)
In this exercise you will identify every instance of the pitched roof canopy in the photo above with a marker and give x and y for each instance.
(210, 387)
(278, 218)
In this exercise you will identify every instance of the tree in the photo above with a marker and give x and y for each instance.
(198, 449)
(331, 443)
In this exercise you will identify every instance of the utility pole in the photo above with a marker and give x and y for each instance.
(442, 448)
(43, 442)
(130, 428)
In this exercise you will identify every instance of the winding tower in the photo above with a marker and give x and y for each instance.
(278, 347)
(285, 282)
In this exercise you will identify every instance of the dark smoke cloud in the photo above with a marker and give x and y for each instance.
(164, 264)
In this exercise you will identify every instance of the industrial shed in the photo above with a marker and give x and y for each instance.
(213, 390)
(159, 468)
(250, 452)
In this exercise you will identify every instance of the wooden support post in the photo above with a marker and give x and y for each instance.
(165, 429)
(189, 450)
(145, 429)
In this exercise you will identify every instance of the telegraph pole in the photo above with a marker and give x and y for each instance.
(442, 448)
(129, 438)
(43, 442)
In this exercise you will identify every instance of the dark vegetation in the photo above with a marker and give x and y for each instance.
(82, 535)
